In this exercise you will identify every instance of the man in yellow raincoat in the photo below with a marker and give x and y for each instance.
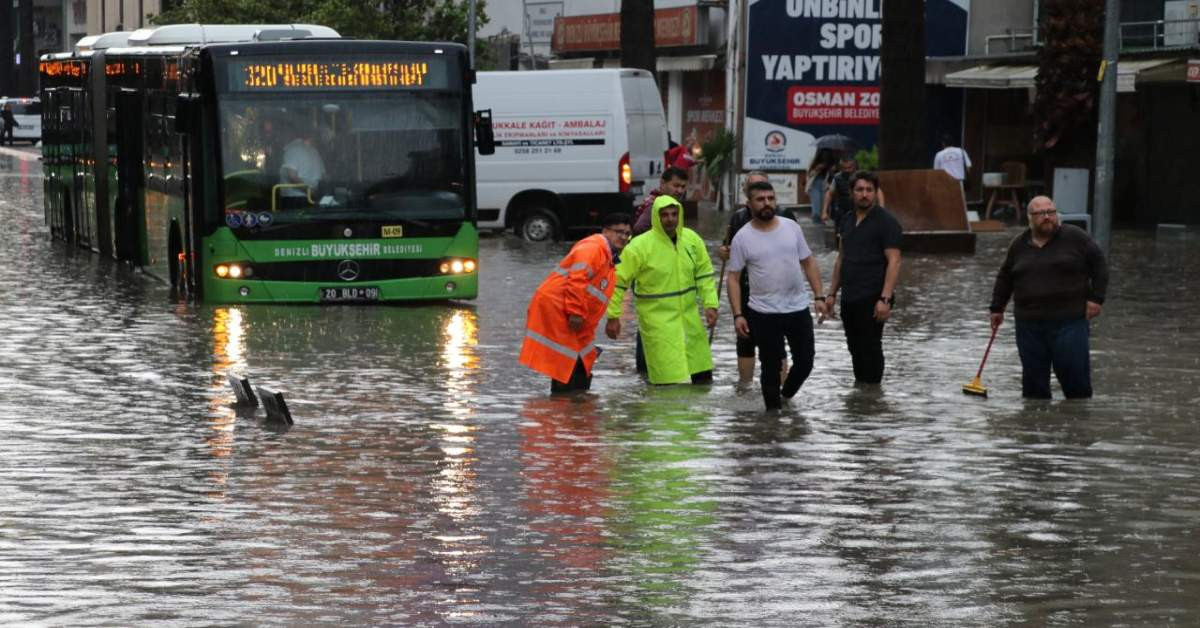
(672, 276)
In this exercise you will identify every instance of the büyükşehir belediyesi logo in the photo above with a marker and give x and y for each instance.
(775, 141)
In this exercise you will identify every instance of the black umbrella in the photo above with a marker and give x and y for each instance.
(837, 142)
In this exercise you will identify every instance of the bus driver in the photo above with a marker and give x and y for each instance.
(302, 164)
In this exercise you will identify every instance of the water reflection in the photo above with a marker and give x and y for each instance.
(663, 510)
(429, 479)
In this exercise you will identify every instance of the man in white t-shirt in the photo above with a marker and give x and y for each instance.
(952, 159)
(775, 254)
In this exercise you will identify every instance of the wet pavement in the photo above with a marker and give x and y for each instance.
(430, 479)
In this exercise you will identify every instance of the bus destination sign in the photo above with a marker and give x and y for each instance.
(270, 75)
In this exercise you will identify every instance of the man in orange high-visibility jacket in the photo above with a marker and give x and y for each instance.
(560, 331)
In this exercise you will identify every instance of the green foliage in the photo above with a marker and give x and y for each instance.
(868, 159)
(412, 20)
(718, 159)
(718, 154)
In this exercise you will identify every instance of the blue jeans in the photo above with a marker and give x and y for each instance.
(1058, 344)
(816, 196)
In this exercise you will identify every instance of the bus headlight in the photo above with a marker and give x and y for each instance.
(233, 270)
(458, 266)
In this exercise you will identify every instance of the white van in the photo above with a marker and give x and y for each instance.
(28, 114)
(571, 147)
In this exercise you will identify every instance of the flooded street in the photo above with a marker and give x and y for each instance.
(431, 479)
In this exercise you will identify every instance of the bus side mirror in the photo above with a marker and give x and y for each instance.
(485, 137)
(187, 112)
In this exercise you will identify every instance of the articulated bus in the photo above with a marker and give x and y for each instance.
(268, 163)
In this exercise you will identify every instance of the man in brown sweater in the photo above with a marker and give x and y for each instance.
(1056, 276)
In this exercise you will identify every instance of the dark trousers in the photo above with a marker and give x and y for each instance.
(7, 135)
(864, 338)
(1061, 345)
(770, 331)
(580, 380)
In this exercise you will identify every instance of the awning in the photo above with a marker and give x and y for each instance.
(1127, 72)
(994, 77)
(581, 63)
(695, 63)
(1023, 76)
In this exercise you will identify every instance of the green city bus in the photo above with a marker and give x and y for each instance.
(268, 163)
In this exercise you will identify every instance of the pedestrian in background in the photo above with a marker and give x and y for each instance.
(839, 195)
(1057, 277)
(9, 122)
(741, 217)
(560, 332)
(817, 180)
(672, 277)
(953, 160)
(673, 182)
(866, 271)
(774, 252)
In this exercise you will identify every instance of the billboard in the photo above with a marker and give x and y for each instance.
(812, 69)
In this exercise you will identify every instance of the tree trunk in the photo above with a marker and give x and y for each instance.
(6, 50)
(902, 87)
(27, 77)
(637, 35)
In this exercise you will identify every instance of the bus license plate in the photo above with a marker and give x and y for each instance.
(361, 294)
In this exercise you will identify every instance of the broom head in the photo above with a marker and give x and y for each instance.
(976, 387)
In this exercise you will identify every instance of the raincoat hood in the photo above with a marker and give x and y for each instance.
(662, 201)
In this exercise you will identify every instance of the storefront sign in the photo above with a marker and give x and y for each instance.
(679, 26)
(812, 69)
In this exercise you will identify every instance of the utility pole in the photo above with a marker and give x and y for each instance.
(27, 77)
(471, 32)
(733, 50)
(7, 34)
(1106, 135)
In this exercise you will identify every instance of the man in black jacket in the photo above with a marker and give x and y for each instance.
(1056, 275)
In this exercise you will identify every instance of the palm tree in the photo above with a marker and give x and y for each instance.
(902, 86)
(1067, 90)
(637, 35)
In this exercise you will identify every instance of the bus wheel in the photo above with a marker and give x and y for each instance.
(538, 225)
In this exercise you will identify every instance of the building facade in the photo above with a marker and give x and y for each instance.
(104, 16)
(1158, 126)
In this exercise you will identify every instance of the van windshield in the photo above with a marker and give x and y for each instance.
(342, 156)
(26, 108)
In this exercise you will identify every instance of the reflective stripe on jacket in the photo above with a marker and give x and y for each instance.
(580, 286)
(672, 280)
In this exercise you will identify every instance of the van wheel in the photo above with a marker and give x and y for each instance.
(538, 225)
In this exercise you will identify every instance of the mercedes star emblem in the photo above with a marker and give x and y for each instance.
(347, 270)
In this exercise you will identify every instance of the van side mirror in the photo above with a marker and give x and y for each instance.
(485, 136)
(187, 112)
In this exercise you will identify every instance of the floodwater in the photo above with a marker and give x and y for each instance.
(429, 479)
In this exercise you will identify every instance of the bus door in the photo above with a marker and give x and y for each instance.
(130, 205)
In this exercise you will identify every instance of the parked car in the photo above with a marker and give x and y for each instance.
(571, 147)
(28, 114)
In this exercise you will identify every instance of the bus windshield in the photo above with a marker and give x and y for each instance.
(342, 156)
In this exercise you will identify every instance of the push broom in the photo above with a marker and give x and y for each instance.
(976, 386)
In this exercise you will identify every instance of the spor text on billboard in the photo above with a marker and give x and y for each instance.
(813, 69)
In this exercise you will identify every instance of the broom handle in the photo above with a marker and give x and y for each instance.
(720, 284)
(987, 351)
